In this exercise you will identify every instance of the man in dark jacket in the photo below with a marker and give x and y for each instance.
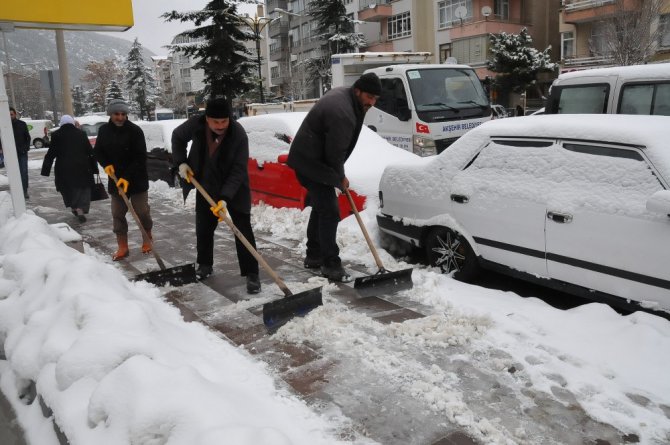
(218, 160)
(321, 146)
(75, 166)
(22, 141)
(121, 149)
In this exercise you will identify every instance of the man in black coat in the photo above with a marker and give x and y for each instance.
(323, 143)
(75, 166)
(121, 149)
(22, 142)
(218, 160)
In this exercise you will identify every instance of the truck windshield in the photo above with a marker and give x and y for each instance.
(452, 89)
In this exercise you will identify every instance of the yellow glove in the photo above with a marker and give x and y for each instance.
(219, 210)
(122, 184)
(109, 170)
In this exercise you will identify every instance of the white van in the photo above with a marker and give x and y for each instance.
(635, 89)
(39, 131)
(424, 108)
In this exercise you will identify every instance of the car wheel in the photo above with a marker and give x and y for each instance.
(450, 251)
(38, 143)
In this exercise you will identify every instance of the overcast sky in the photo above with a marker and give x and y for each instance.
(153, 32)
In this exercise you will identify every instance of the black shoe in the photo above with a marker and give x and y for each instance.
(203, 271)
(81, 218)
(253, 283)
(312, 263)
(336, 273)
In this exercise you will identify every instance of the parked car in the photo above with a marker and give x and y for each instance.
(39, 131)
(158, 136)
(91, 124)
(575, 202)
(274, 183)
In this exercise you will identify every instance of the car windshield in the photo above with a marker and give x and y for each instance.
(446, 89)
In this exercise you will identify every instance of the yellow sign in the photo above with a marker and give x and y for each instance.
(91, 15)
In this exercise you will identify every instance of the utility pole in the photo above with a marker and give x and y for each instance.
(64, 73)
(9, 69)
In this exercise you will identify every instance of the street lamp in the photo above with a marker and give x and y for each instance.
(257, 24)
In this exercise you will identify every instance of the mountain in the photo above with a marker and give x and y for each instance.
(36, 50)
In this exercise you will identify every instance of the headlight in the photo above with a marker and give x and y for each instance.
(424, 146)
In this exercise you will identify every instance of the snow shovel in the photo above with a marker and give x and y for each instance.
(176, 276)
(279, 311)
(383, 281)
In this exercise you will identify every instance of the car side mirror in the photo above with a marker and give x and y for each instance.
(404, 114)
(659, 202)
(282, 158)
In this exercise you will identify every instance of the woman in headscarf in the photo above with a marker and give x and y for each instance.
(75, 166)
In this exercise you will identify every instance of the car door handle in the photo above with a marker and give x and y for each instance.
(461, 199)
(559, 217)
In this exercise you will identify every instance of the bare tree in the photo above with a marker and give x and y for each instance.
(631, 34)
(100, 75)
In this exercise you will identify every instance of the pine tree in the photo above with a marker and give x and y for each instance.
(78, 101)
(337, 29)
(113, 91)
(140, 82)
(516, 61)
(217, 47)
(99, 75)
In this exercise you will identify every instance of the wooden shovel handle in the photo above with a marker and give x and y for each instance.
(238, 234)
(364, 230)
(145, 236)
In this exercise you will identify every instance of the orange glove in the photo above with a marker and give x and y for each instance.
(122, 184)
(219, 210)
(109, 170)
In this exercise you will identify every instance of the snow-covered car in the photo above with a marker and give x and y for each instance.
(274, 183)
(91, 124)
(576, 202)
(158, 137)
(498, 112)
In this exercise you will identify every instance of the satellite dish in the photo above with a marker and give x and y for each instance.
(461, 12)
(486, 11)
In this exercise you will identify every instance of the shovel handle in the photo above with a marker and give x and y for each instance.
(145, 236)
(364, 230)
(238, 234)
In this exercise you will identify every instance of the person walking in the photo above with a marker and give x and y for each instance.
(22, 141)
(122, 150)
(324, 141)
(75, 166)
(217, 160)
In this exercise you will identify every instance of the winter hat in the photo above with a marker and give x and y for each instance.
(369, 83)
(66, 119)
(217, 108)
(117, 106)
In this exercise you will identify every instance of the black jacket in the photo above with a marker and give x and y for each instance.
(226, 174)
(327, 137)
(21, 136)
(125, 148)
(75, 164)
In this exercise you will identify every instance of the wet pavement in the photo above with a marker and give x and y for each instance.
(390, 406)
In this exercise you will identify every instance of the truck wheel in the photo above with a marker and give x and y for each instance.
(38, 143)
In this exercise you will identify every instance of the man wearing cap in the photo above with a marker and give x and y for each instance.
(75, 166)
(218, 160)
(323, 143)
(121, 149)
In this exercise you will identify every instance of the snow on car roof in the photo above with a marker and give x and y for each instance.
(363, 168)
(625, 72)
(158, 134)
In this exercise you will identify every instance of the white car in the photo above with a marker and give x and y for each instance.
(576, 202)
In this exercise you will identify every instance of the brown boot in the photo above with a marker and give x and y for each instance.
(122, 241)
(146, 245)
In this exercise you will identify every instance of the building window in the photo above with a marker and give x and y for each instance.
(567, 45)
(186, 87)
(501, 9)
(471, 51)
(446, 11)
(274, 72)
(399, 26)
(445, 52)
(664, 30)
(598, 42)
(185, 72)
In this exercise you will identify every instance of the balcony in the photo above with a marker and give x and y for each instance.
(584, 11)
(581, 62)
(575, 5)
(375, 10)
(277, 29)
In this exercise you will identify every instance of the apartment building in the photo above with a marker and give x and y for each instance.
(584, 33)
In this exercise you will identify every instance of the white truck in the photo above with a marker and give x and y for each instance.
(423, 107)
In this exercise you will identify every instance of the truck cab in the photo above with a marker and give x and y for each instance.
(424, 108)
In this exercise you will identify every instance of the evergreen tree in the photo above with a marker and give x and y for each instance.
(78, 101)
(337, 30)
(140, 82)
(98, 76)
(217, 46)
(516, 61)
(113, 91)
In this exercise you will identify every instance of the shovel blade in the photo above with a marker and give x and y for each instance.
(280, 311)
(384, 282)
(175, 276)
